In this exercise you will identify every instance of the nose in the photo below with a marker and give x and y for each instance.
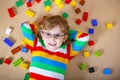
(52, 37)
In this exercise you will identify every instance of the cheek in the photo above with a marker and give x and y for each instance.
(59, 42)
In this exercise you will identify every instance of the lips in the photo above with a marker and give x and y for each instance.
(52, 44)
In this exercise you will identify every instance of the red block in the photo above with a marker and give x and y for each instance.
(67, 1)
(37, 1)
(29, 4)
(7, 61)
(91, 43)
(85, 16)
(11, 12)
(78, 21)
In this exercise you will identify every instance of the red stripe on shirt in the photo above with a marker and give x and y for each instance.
(83, 35)
(40, 77)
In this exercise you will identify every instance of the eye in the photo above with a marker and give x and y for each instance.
(57, 35)
(48, 34)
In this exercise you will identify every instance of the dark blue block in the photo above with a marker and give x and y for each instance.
(91, 31)
(8, 42)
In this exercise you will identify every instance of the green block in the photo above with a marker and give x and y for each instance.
(17, 62)
(83, 66)
(19, 3)
(98, 53)
(47, 3)
(26, 76)
(65, 15)
(1, 61)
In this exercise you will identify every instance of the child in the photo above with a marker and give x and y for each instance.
(50, 52)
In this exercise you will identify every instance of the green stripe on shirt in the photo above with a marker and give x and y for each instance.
(47, 67)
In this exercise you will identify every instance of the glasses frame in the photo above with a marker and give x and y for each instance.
(56, 36)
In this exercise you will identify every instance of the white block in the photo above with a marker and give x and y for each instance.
(8, 31)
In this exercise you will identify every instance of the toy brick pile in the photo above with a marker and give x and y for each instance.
(47, 7)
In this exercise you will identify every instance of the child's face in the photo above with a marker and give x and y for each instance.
(53, 38)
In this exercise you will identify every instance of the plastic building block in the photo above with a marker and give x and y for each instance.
(8, 60)
(94, 22)
(73, 3)
(24, 50)
(91, 69)
(109, 26)
(107, 71)
(8, 31)
(82, 2)
(85, 16)
(86, 54)
(19, 3)
(47, 3)
(11, 12)
(83, 66)
(47, 8)
(61, 5)
(8, 42)
(65, 15)
(32, 79)
(17, 62)
(24, 65)
(78, 10)
(27, 76)
(98, 53)
(15, 50)
(29, 4)
(1, 61)
(58, 1)
(24, 42)
(78, 21)
(67, 1)
(91, 31)
(30, 13)
(29, 0)
(37, 1)
(91, 43)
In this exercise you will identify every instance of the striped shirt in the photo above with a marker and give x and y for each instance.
(48, 65)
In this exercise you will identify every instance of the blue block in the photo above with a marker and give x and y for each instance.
(107, 71)
(91, 31)
(24, 50)
(8, 42)
(94, 22)
(29, 0)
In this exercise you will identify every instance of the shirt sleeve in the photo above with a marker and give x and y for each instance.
(28, 31)
(79, 41)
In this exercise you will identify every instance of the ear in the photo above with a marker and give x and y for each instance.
(41, 35)
(65, 37)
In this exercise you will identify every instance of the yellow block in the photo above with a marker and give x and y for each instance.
(47, 8)
(73, 3)
(86, 53)
(57, 1)
(109, 25)
(61, 5)
(24, 65)
(32, 79)
(30, 13)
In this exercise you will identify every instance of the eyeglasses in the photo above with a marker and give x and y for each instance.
(48, 35)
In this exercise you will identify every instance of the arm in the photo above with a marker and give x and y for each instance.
(28, 31)
(79, 41)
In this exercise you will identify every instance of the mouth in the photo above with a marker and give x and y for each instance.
(52, 44)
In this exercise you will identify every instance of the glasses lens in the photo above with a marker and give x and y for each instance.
(57, 36)
(48, 34)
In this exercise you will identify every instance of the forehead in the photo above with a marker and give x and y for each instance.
(55, 29)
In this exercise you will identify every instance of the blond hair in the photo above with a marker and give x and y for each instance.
(50, 22)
